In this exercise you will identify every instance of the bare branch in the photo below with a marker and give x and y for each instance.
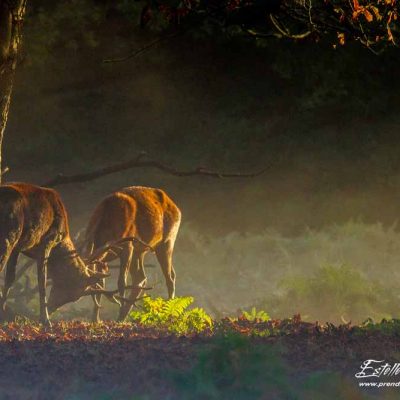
(143, 49)
(138, 162)
(285, 32)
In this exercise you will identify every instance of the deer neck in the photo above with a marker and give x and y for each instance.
(65, 264)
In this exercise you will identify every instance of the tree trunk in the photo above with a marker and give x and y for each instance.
(11, 18)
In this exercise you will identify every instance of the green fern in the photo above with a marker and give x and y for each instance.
(172, 315)
(176, 307)
(256, 316)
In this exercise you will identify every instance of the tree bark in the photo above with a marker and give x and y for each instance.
(12, 13)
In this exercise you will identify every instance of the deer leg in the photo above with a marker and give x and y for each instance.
(142, 273)
(9, 278)
(138, 276)
(164, 257)
(42, 278)
(126, 259)
(97, 304)
(139, 279)
(13, 227)
(6, 258)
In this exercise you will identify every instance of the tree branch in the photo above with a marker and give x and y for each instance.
(285, 32)
(139, 162)
(142, 49)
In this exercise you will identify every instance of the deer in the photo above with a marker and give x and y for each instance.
(34, 222)
(153, 219)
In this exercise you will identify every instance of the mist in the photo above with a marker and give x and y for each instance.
(330, 196)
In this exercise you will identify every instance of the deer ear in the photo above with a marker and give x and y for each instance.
(96, 277)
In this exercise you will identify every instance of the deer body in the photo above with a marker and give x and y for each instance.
(33, 221)
(147, 214)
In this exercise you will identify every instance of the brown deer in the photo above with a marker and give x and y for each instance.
(149, 216)
(33, 221)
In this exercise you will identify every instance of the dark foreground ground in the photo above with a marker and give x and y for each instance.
(241, 360)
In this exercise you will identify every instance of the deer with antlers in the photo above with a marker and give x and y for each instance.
(33, 221)
(139, 220)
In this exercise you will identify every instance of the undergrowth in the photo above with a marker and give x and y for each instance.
(334, 293)
(172, 315)
(234, 367)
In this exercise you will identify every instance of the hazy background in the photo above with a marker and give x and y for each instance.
(319, 227)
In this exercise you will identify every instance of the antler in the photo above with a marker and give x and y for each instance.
(141, 287)
(111, 246)
(103, 264)
(111, 294)
(130, 301)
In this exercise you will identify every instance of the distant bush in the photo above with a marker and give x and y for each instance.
(172, 315)
(230, 273)
(334, 293)
(387, 327)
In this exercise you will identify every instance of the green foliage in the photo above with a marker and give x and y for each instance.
(335, 293)
(390, 327)
(256, 316)
(234, 368)
(172, 315)
(286, 274)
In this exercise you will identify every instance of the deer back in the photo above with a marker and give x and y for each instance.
(146, 213)
(33, 219)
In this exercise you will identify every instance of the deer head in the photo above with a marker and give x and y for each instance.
(63, 292)
(77, 277)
